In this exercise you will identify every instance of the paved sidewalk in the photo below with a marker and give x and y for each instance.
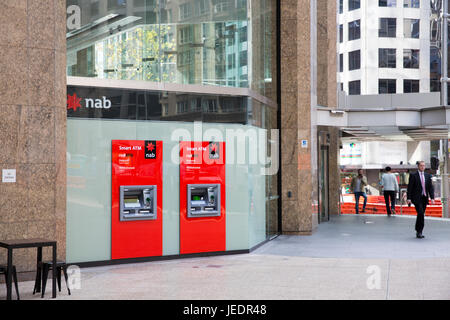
(340, 261)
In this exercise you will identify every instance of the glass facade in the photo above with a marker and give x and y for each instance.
(187, 44)
(206, 42)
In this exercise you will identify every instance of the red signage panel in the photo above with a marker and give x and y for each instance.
(133, 233)
(202, 168)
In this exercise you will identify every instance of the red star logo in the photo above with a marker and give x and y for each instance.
(151, 147)
(73, 102)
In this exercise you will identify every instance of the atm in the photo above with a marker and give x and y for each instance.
(202, 197)
(138, 203)
(203, 200)
(136, 199)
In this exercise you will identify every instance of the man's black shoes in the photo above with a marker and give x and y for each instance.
(419, 235)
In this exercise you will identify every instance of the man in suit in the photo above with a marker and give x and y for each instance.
(420, 189)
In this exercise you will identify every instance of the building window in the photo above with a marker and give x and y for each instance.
(243, 58)
(411, 4)
(354, 60)
(341, 6)
(221, 7)
(185, 35)
(341, 33)
(435, 85)
(411, 28)
(341, 62)
(202, 7)
(410, 86)
(387, 3)
(387, 86)
(354, 87)
(388, 28)
(185, 11)
(387, 58)
(354, 4)
(354, 30)
(411, 58)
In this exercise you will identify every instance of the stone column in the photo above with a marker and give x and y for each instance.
(308, 79)
(33, 124)
(297, 85)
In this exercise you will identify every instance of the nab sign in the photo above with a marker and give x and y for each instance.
(74, 102)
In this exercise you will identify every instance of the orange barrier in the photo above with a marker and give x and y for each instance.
(376, 205)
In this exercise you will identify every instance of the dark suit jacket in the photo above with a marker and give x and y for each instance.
(415, 187)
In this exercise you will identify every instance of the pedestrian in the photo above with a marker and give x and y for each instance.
(358, 186)
(420, 189)
(390, 188)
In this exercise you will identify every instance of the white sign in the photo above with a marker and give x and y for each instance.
(305, 144)
(9, 175)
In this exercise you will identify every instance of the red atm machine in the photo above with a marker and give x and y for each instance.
(202, 197)
(136, 225)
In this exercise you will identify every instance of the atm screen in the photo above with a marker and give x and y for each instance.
(132, 202)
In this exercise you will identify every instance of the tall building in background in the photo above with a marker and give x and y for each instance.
(384, 47)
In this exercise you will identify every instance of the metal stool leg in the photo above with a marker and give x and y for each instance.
(37, 282)
(15, 282)
(66, 277)
(44, 278)
(58, 275)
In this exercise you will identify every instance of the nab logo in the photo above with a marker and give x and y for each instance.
(150, 149)
(214, 150)
(74, 102)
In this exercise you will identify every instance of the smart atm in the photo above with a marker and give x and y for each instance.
(203, 200)
(136, 195)
(138, 203)
(202, 197)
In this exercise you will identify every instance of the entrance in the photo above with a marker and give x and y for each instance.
(324, 201)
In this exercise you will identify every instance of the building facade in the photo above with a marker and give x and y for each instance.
(385, 47)
(243, 73)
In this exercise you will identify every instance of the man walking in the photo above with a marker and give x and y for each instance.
(390, 189)
(420, 189)
(358, 186)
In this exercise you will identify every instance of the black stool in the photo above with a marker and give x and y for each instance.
(4, 270)
(42, 275)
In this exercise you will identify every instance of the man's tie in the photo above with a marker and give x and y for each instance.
(422, 179)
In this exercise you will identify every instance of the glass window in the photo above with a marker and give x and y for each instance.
(341, 62)
(387, 3)
(341, 6)
(354, 4)
(354, 30)
(387, 28)
(410, 86)
(387, 86)
(354, 87)
(354, 60)
(176, 41)
(341, 33)
(411, 58)
(411, 28)
(185, 11)
(202, 7)
(411, 4)
(387, 58)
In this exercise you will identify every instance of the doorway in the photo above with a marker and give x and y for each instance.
(324, 199)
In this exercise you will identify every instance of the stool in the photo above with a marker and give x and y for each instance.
(4, 270)
(42, 275)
